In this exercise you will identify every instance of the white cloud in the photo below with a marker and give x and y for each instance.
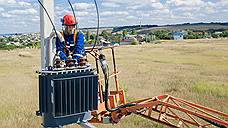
(210, 7)
(1, 9)
(146, 5)
(58, 8)
(118, 1)
(187, 9)
(114, 13)
(207, 8)
(83, 6)
(135, 7)
(188, 15)
(35, 19)
(117, 12)
(130, 18)
(145, 15)
(185, 2)
(5, 2)
(110, 4)
(224, 11)
(157, 5)
(6, 15)
(82, 14)
(25, 4)
(30, 11)
(223, 2)
(221, 5)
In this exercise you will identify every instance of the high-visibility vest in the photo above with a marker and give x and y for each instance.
(66, 50)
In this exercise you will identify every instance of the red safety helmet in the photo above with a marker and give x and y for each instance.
(69, 20)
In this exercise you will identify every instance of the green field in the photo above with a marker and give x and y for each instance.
(195, 70)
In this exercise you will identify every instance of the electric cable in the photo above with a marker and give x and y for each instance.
(49, 19)
(105, 70)
(98, 22)
(98, 26)
(73, 12)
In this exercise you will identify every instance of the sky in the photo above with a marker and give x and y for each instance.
(22, 16)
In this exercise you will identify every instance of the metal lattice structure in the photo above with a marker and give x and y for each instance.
(175, 112)
(164, 109)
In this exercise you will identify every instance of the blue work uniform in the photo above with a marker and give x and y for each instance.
(77, 47)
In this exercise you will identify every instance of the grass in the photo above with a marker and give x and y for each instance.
(211, 89)
(4, 46)
(195, 70)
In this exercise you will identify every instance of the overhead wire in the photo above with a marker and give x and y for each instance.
(98, 22)
(49, 19)
(98, 26)
(73, 12)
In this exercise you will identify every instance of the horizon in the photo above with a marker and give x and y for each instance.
(23, 15)
(1, 34)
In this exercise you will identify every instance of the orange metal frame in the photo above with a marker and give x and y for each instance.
(164, 109)
(174, 112)
(116, 97)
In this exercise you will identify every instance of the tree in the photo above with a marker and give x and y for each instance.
(105, 34)
(87, 35)
(192, 35)
(225, 33)
(215, 35)
(150, 37)
(124, 33)
(163, 34)
(116, 38)
(92, 37)
(10, 38)
(133, 32)
(134, 42)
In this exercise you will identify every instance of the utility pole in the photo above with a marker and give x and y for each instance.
(45, 30)
(140, 23)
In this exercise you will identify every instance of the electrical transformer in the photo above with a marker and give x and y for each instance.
(67, 96)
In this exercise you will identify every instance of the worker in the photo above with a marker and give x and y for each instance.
(70, 44)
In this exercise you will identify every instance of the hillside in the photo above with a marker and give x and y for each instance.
(207, 27)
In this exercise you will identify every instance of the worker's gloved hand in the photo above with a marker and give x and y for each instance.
(60, 36)
(77, 57)
(62, 55)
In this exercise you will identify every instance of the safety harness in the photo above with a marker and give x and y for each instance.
(67, 50)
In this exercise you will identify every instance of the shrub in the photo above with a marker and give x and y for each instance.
(191, 35)
(225, 33)
(4, 46)
(162, 34)
(135, 42)
(116, 38)
(215, 35)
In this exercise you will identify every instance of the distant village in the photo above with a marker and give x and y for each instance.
(30, 40)
(108, 37)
